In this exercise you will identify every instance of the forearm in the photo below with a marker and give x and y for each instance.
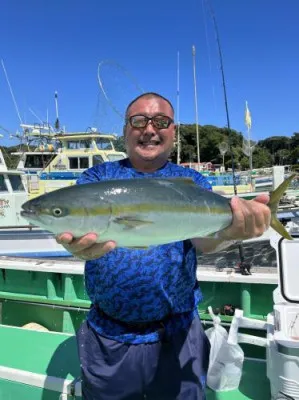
(207, 245)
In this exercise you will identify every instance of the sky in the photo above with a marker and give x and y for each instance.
(100, 54)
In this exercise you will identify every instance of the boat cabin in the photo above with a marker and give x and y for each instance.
(79, 151)
(13, 194)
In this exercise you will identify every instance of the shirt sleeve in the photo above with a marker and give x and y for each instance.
(93, 174)
(202, 181)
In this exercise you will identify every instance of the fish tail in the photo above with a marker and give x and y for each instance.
(275, 197)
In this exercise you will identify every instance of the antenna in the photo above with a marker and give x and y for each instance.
(178, 112)
(11, 92)
(196, 111)
(57, 124)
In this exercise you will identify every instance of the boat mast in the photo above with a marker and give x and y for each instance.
(178, 112)
(196, 110)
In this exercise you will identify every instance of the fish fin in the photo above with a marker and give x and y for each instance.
(275, 197)
(131, 222)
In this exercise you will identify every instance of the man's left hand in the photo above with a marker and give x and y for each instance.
(251, 218)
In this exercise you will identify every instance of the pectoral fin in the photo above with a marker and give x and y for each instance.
(131, 222)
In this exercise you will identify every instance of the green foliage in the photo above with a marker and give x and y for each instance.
(119, 144)
(261, 157)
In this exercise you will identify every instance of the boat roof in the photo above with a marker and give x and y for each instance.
(84, 135)
(20, 153)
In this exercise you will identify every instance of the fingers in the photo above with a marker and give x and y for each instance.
(95, 251)
(77, 245)
(85, 247)
(64, 238)
(262, 198)
(251, 218)
(238, 222)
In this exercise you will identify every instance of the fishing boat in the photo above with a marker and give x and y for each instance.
(17, 237)
(59, 158)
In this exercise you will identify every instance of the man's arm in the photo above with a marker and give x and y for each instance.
(251, 218)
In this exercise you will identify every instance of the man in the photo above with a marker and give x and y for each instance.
(143, 338)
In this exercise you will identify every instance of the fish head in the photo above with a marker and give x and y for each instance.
(47, 212)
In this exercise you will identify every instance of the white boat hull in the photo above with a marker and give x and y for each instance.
(32, 243)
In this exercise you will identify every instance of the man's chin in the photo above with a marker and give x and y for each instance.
(149, 154)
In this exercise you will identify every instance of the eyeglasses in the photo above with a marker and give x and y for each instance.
(141, 121)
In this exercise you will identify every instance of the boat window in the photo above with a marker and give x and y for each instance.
(115, 157)
(78, 162)
(16, 183)
(78, 144)
(73, 162)
(97, 160)
(103, 144)
(38, 160)
(83, 162)
(3, 187)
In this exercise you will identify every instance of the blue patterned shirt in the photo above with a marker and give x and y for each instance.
(142, 285)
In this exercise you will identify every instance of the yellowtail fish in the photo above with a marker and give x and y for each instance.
(139, 212)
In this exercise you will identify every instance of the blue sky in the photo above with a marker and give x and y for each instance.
(57, 45)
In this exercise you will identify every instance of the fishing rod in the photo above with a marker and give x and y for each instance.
(244, 266)
(224, 92)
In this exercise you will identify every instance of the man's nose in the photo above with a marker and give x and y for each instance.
(150, 127)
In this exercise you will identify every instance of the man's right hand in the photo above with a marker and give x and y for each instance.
(85, 247)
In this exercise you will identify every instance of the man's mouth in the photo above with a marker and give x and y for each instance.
(149, 143)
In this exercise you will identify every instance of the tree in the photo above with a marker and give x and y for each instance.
(261, 157)
(119, 144)
(283, 156)
(275, 143)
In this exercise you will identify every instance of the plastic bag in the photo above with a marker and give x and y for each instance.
(226, 360)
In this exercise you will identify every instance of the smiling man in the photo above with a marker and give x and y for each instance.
(143, 337)
(149, 135)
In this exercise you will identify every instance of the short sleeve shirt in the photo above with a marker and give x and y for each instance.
(142, 285)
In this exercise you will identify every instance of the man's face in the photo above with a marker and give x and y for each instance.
(149, 142)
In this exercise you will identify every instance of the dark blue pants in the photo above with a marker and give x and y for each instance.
(174, 368)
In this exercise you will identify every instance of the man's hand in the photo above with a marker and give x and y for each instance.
(85, 247)
(251, 218)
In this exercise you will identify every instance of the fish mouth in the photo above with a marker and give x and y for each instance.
(28, 213)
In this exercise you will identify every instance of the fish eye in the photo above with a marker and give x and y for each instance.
(57, 212)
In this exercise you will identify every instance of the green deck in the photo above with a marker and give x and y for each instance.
(60, 291)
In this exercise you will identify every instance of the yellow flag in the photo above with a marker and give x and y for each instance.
(247, 116)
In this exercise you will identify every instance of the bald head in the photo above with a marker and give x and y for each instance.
(148, 95)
